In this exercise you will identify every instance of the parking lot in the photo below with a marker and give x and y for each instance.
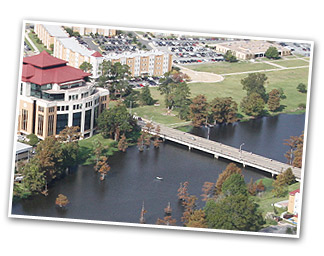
(297, 48)
(187, 50)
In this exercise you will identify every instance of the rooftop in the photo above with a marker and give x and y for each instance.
(73, 44)
(44, 69)
(55, 31)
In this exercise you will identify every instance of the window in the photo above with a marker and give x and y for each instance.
(40, 109)
(40, 125)
(51, 109)
(87, 122)
(58, 108)
(61, 122)
(50, 128)
(24, 119)
(77, 119)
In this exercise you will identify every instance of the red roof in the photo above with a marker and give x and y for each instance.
(44, 69)
(43, 60)
(292, 193)
(96, 54)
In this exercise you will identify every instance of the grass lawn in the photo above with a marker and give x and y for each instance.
(86, 156)
(231, 87)
(226, 67)
(267, 199)
(40, 46)
(292, 63)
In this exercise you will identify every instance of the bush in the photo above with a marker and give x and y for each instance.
(302, 88)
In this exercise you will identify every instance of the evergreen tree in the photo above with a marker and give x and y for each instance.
(272, 53)
(145, 97)
(234, 185)
(254, 83)
(236, 212)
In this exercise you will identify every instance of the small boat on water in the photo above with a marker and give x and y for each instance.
(159, 178)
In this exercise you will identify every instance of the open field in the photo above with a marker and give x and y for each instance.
(286, 79)
(226, 67)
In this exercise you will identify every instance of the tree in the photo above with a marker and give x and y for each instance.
(86, 66)
(122, 144)
(302, 88)
(115, 77)
(69, 137)
(230, 169)
(274, 100)
(199, 110)
(252, 188)
(167, 220)
(229, 56)
(223, 110)
(181, 100)
(295, 153)
(103, 167)
(115, 121)
(280, 188)
(272, 53)
(253, 105)
(49, 157)
(254, 83)
(34, 178)
(207, 189)
(236, 212)
(61, 200)
(260, 187)
(197, 219)
(289, 177)
(234, 185)
(145, 97)
(183, 191)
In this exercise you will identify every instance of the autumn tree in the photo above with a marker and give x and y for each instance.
(197, 219)
(122, 144)
(207, 189)
(183, 191)
(260, 187)
(294, 155)
(167, 220)
(49, 158)
(274, 100)
(61, 200)
(252, 187)
(199, 110)
(103, 167)
(230, 169)
(223, 110)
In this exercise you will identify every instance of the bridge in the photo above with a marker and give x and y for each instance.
(220, 150)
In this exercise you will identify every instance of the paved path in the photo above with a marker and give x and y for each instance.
(224, 151)
(263, 70)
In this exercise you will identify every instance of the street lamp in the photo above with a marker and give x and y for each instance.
(241, 150)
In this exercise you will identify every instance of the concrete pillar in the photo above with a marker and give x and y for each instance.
(189, 148)
(216, 156)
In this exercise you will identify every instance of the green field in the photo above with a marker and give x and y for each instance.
(292, 63)
(226, 67)
(231, 87)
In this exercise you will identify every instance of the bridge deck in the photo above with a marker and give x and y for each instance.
(225, 151)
